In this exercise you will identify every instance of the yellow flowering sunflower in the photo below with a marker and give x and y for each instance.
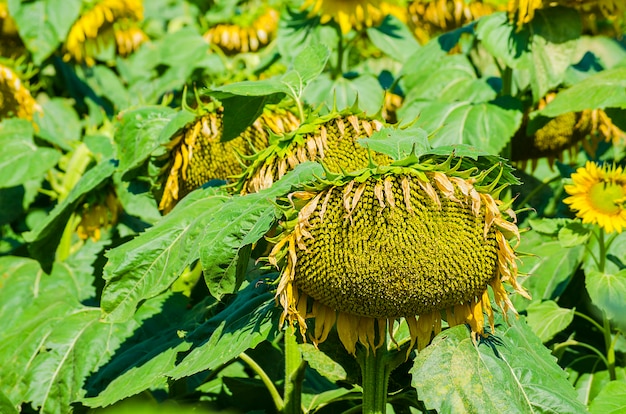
(95, 30)
(331, 138)
(195, 154)
(523, 11)
(598, 196)
(348, 14)
(428, 18)
(419, 241)
(15, 98)
(239, 37)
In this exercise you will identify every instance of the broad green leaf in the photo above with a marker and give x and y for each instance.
(6, 406)
(52, 342)
(21, 160)
(44, 24)
(342, 93)
(588, 385)
(207, 224)
(573, 234)
(548, 265)
(547, 319)
(398, 143)
(308, 64)
(315, 401)
(608, 292)
(147, 265)
(240, 112)
(548, 226)
(606, 89)
(48, 233)
(500, 38)
(238, 223)
(140, 133)
(393, 38)
(322, 363)
(611, 400)
(513, 372)
(250, 320)
(105, 83)
(486, 126)
(59, 123)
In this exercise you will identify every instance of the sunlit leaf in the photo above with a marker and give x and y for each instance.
(608, 292)
(58, 123)
(394, 38)
(611, 400)
(342, 93)
(21, 159)
(398, 143)
(547, 319)
(512, 372)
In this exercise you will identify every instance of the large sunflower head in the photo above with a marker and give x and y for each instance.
(244, 34)
(15, 98)
(197, 155)
(348, 14)
(331, 138)
(11, 44)
(598, 196)
(421, 241)
(98, 213)
(96, 30)
(428, 18)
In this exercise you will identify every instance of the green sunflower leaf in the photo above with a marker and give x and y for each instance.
(59, 123)
(589, 384)
(606, 89)
(510, 372)
(611, 400)
(21, 160)
(48, 232)
(142, 131)
(547, 319)
(208, 225)
(608, 292)
(398, 143)
(342, 93)
(393, 38)
(6, 406)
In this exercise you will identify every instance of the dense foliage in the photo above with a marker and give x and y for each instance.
(149, 164)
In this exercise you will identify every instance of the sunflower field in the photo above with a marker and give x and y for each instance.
(313, 206)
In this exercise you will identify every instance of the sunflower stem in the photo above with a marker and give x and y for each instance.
(340, 48)
(608, 343)
(376, 368)
(267, 381)
(294, 373)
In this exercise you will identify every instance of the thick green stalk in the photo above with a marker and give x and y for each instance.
(608, 343)
(278, 402)
(294, 373)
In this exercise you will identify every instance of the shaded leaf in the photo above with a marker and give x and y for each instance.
(588, 385)
(547, 319)
(48, 232)
(393, 38)
(58, 124)
(511, 373)
(21, 160)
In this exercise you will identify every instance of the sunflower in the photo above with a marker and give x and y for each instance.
(603, 129)
(101, 212)
(15, 98)
(598, 196)
(523, 11)
(559, 135)
(95, 31)
(331, 138)
(348, 14)
(128, 39)
(234, 38)
(197, 155)
(420, 241)
(429, 18)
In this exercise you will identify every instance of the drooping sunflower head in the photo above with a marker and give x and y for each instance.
(598, 196)
(428, 18)
(11, 45)
(331, 138)
(96, 30)
(348, 14)
(15, 98)
(523, 11)
(560, 134)
(196, 154)
(98, 213)
(421, 242)
(245, 34)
